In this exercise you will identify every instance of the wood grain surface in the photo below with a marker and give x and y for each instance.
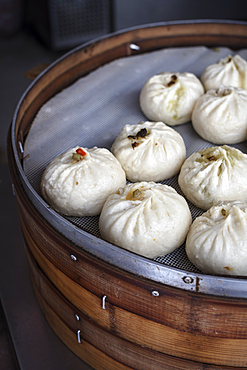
(100, 345)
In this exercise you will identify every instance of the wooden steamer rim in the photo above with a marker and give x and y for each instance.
(161, 316)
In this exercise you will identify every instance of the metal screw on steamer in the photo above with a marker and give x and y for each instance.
(103, 302)
(79, 336)
(188, 279)
(155, 293)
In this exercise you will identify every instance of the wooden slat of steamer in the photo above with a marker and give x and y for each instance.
(85, 350)
(86, 59)
(144, 332)
(98, 347)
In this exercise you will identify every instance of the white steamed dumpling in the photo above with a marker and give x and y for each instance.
(149, 151)
(228, 71)
(78, 184)
(214, 174)
(217, 240)
(147, 218)
(170, 97)
(220, 116)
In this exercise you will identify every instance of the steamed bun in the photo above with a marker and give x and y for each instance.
(220, 116)
(170, 97)
(149, 151)
(147, 218)
(228, 71)
(217, 240)
(214, 174)
(78, 185)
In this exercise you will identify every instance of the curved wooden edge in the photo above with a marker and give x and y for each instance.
(140, 330)
(87, 58)
(66, 320)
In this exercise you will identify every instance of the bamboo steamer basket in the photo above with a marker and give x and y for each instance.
(112, 308)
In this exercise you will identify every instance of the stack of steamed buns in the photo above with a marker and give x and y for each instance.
(150, 218)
